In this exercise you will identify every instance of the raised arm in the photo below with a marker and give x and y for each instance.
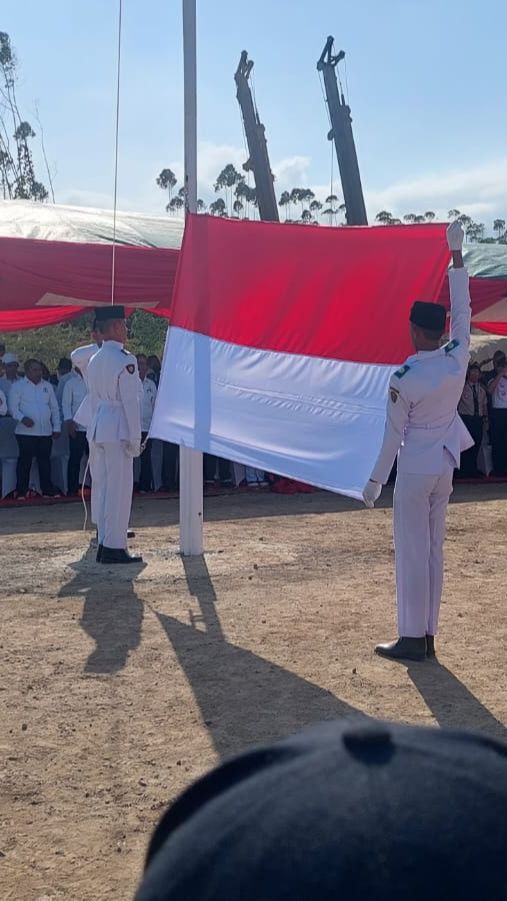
(461, 311)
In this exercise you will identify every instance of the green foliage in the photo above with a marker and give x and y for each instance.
(146, 334)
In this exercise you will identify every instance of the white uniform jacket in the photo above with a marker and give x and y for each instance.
(114, 392)
(422, 419)
(80, 358)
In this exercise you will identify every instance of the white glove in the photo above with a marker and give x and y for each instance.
(455, 236)
(133, 448)
(371, 493)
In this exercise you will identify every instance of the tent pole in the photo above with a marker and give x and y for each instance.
(191, 472)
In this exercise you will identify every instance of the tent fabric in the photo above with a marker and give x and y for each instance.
(283, 341)
(62, 243)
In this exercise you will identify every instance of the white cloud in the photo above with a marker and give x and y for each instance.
(479, 191)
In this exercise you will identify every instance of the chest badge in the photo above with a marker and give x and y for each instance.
(130, 368)
(394, 394)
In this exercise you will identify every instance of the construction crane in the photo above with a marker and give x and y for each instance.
(258, 161)
(341, 134)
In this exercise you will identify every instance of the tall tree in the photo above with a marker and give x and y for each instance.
(201, 206)
(410, 218)
(167, 180)
(285, 203)
(384, 217)
(175, 204)
(499, 227)
(17, 169)
(429, 216)
(227, 180)
(237, 208)
(218, 207)
(453, 214)
(315, 208)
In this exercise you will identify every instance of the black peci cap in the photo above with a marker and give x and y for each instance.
(103, 314)
(431, 316)
(353, 810)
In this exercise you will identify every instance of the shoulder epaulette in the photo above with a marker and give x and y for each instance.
(125, 352)
(451, 345)
(402, 371)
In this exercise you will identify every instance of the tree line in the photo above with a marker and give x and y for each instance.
(300, 205)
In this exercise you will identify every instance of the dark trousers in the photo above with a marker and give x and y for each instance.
(468, 466)
(170, 453)
(78, 447)
(499, 441)
(210, 469)
(146, 472)
(31, 446)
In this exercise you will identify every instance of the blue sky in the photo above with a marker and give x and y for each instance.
(426, 83)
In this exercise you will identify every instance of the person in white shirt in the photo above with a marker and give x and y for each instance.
(114, 433)
(3, 404)
(148, 398)
(32, 403)
(11, 365)
(497, 390)
(74, 393)
(64, 372)
(424, 429)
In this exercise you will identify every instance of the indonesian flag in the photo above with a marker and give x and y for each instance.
(283, 339)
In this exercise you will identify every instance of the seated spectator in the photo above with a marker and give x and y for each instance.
(74, 393)
(473, 409)
(32, 403)
(148, 398)
(352, 810)
(497, 390)
(11, 367)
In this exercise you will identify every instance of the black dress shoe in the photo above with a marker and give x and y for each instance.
(403, 649)
(131, 533)
(117, 555)
(100, 548)
(430, 647)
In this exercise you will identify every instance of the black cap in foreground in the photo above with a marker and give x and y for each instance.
(353, 811)
(430, 316)
(103, 314)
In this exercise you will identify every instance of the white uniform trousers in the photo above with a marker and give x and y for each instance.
(115, 479)
(95, 479)
(420, 506)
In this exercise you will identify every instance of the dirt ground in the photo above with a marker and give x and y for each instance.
(118, 688)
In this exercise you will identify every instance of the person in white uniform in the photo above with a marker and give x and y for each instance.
(11, 365)
(80, 358)
(423, 428)
(115, 432)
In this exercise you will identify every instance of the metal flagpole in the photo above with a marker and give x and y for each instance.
(191, 474)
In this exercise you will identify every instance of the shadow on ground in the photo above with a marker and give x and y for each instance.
(243, 698)
(112, 616)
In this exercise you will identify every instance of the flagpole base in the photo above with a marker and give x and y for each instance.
(191, 503)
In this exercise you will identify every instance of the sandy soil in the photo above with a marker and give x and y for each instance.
(119, 688)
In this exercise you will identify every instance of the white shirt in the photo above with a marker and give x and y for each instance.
(3, 404)
(6, 384)
(74, 393)
(39, 403)
(115, 395)
(62, 381)
(422, 419)
(148, 398)
(499, 396)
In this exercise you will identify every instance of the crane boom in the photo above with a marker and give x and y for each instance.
(258, 161)
(341, 133)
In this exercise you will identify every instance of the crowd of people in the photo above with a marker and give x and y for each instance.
(44, 404)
